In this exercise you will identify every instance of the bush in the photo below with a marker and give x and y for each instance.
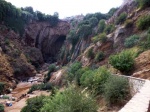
(116, 90)
(143, 22)
(72, 70)
(5, 97)
(101, 26)
(51, 69)
(143, 3)
(93, 22)
(1, 108)
(90, 53)
(148, 32)
(109, 29)
(46, 86)
(146, 45)
(1, 87)
(95, 80)
(34, 104)
(103, 37)
(70, 100)
(86, 79)
(79, 74)
(99, 56)
(84, 31)
(131, 41)
(122, 17)
(128, 23)
(123, 61)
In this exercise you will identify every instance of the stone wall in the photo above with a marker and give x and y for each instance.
(135, 83)
(140, 90)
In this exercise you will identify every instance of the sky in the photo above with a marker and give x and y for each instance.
(67, 8)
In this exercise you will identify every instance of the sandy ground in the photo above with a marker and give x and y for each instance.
(22, 88)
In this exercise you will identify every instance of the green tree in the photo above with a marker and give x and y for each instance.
(84, 31)
(101, 26)
(112, 11)
(93, 22)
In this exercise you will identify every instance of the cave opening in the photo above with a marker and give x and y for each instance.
(50, 50)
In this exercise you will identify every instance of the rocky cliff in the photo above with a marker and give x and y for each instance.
(17, 61)
(47, 38)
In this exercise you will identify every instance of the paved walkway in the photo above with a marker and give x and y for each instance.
(140, 101)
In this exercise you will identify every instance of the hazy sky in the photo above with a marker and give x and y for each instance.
(67, 8)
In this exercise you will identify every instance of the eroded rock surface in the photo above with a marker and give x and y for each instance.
(142, 65)
(47, 38)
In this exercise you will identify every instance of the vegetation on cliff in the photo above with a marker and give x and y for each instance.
(16, 18)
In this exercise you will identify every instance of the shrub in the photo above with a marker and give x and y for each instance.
(143, 3)
(71, 73)
(1, 108)
(122, 17)
(79, 74)
(131, 41)
(109, 29)
(84, 31)
(34, 104)
(93, 22)
(95, 80)
(70, 100)
(112, 11)
(103, 37)
(101, 26)
(90, 53)
(95, 39)
(46, 86)
(5, 97)
(143, 22)
(1, 87)
(128, 23)
(123, 61)
(148, 32)
(86, 79)
(99, 56)
(51, 69)
(116, 90)
(146, 44)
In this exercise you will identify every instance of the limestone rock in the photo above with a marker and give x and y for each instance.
(47, 38)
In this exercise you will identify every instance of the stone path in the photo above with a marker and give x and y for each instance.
(140, 101)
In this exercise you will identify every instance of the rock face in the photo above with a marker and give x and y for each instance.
(16, 60)
(128, 6)
(142, 65)
(47, 38)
